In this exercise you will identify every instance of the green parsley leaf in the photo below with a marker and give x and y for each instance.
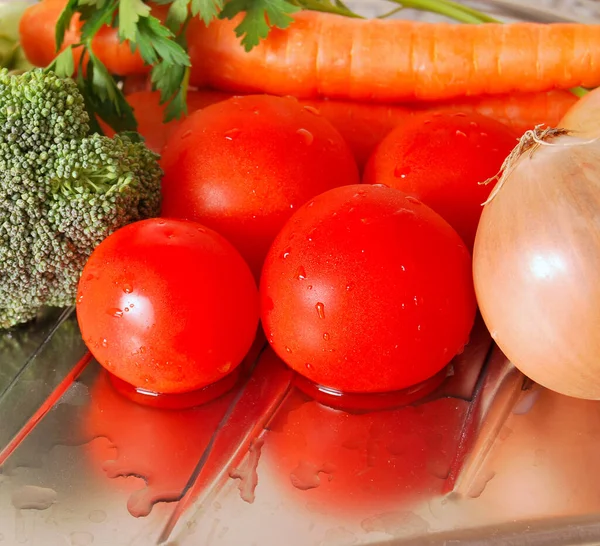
(160, 38)
(260, 15)
(177, 15)
(131, 14)
(207, 9)
(105, 98)
(63, 63)
(64, 22)
(98, 17)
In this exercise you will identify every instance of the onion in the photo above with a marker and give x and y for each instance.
(584, 114)
(536, 260)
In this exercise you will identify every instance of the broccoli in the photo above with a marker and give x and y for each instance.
(62, 191)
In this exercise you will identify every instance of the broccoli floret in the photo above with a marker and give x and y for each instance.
(62, 191)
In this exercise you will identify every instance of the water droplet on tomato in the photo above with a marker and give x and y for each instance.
(142, 350)
(483, 134)
(308, 366)
(89, 277)
(413, 200)
(126, 309)
(127, 288)
(349, 287)
(306, 135)
(185, 135)
(300, 273)
(380, 185)
(360, 193)
(232, 133)
(161, 222)
(115, 312)
(309, 287)
(224, 368)
(131, 305)
(311, 204)
(80, 298)
(286, 253)
(312, 110)
(401, 171)
(494, 150)
(325, 336)
(415, 299)
(320, 307)
(419, 327)
(288, 350)
(104, 342)
(460, 133)
(403, 268)
(460, 115)
(473, 124)
(427, 122)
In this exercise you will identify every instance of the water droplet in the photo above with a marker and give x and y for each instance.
(161, 222)
(131, 305)
(460, 133)
(286, 253)
(300, 273)
(380, 185)
(115, 312)
(473, 124)
(232, 133)
(416, 300)
(126, 309)
(403, 268)
(401, 171)
(288, 350)
(427, 122)
(306, 135)
(225, 367)
(308, 366)
(142, 350)
(320, 307)
(311, 204)
(326, 336)
(312, 110)
(291, 205)
(127, 288)
(90, 277)
(483, 134)
(81, 539)
(403, 305)
(309, 287)
(360, 193)
(80, 298)
(349, 287)
(413, 200)
(494, 150)
(185, 135)
(460, 115)
(104, 342)
(419, 327)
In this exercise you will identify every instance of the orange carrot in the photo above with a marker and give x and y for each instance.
(364, 126)
(37, 29)
(323, 54)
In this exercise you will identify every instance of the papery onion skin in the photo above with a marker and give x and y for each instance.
(583, 116)
(536, 266)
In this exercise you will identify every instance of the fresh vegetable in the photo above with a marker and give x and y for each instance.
(167, 305)
(11, 54)
(62, 191)
(441, 158)
(366, 289)
(323, 54)
(243, 166)
(536, 260)
(582, 117)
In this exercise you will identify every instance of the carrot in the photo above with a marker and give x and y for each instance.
(323, 54)
(37, 29)
(521, 111)
(364, 126)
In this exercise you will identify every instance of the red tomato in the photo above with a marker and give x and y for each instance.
(440, 158)
(367, 290)
(243, 166)
(167, 305)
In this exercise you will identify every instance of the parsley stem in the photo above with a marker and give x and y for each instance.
(448, 8)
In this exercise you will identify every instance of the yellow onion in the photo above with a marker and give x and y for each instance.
(583, 116)
(536, 261)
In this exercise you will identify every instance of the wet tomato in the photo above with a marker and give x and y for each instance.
(167, 305)
(441, 158)
(366, 289)
(244, 165)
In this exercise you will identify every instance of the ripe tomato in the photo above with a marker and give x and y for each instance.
(440, 158)
(243, 166)
(367, 290)
(167, 305)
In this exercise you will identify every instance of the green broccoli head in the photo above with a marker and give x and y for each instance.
(62, 191)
